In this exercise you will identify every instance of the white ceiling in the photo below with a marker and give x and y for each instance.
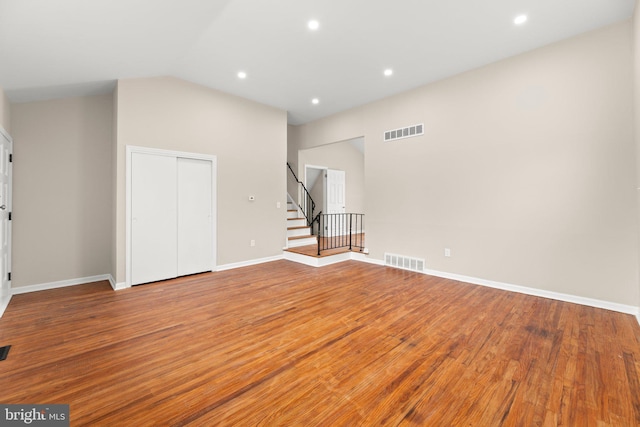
(56, 48)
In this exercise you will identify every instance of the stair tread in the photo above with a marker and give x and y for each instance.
(293, 219)
(301, 237)
(298, 228)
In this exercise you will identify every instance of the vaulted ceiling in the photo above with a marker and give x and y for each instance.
(56, 48)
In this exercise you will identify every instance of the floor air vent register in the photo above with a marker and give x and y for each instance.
(404, 262)
(4, 352)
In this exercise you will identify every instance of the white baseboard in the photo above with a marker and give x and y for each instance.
(591, 302)
(60, 284)
(117, 286)
(248, 263)
(362, 257)
(356, 256)
(317, 262)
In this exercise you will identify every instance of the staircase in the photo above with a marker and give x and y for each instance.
(298, 232)
(342, 233)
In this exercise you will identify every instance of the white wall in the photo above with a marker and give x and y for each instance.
(249, 140)
(636, 81)
(115, 238)
(62, 189)
(340, 156)
(5, 111)
(526, 170)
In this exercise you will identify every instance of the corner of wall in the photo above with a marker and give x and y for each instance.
(114, 187)
(636, 119)
(5, 111)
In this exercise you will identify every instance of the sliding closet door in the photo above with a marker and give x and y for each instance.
(195, 240)
(154, 248)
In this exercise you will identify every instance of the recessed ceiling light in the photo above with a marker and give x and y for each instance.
(242, 75)
(315, 101)
(520, 19)
(313, 25)
(388, 72)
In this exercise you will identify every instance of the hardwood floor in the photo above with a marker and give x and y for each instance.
(348, 344)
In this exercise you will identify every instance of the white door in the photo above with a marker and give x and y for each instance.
(336, 191)
(195, 241)
(6, 174)
(154, 248)
(335, 225)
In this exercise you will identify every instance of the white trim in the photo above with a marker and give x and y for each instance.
(60, 284)
(317, 262)
(248, 263)
(324, 182)
(4, 303)
(120, 286)
(324, 168)
(117, 286)
(5, 286)
(130, 149)
(331, 259)
(590, 302)
(4, 133)
(362, 257)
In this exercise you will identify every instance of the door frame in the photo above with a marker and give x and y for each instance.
(5, 289)
(130, 149)
(324, 183)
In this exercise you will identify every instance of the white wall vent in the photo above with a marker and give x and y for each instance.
(404, 262)
(408, 132)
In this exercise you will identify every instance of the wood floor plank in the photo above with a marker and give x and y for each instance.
(347, 344)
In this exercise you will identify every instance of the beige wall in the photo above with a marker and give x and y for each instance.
(526, 170)
(340, 156)
(292, 158)
(249, 140)
(5, 111)
(114, 190)
(62, 189)
(636, 81)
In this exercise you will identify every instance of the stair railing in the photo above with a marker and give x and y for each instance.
(304, 201)
(340, 231)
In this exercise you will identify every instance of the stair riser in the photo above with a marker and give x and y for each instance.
(296, 223)
(293, 214)
(298, 232)
(302, 242)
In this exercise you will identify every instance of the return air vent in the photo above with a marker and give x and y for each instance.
(404, 262)
(408, 132)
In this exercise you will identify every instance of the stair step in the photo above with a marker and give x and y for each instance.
(296, 222)
(298, 231)
(305, 236)
(302, 241)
